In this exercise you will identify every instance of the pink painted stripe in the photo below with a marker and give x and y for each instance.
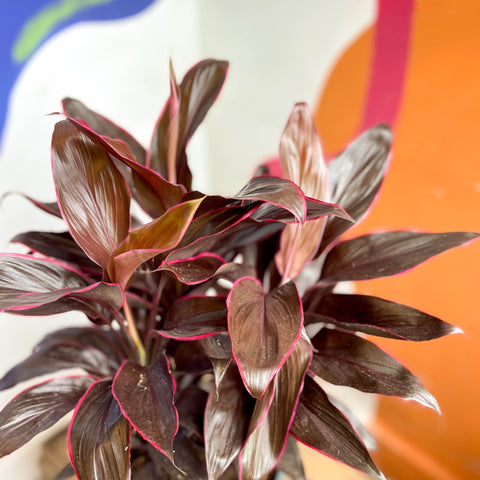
(390, 56)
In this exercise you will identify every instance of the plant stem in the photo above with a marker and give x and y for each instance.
(133, 333)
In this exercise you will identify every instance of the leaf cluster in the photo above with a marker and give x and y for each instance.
(213, 320)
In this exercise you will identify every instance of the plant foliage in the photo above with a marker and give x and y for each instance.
(198, 362)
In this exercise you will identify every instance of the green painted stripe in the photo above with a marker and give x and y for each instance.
(40, 25)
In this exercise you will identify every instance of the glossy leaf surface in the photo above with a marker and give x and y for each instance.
(34, 286)
(302, 162)
(57, 245)
(273, 415)
(264, 328)
(195, 317)
(320, 425)
(99, 436)
(277, 191)
(154, 194)
(197, 93)
(38, 408)
(101, 125)
(375, 316)
(227, 418)
(147, 241)
(355, 177)
(146, 395)
(383, 254)
(97, 210)
(348, 360)
(55, 356)
(194, 270)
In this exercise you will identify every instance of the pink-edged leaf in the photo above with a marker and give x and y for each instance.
(21, 274)
(302, 162)
(301, 154)
(212, 229)
(146, 396)
(154, 194)
(99, 436)
(227, 417)
(355, 177)
(273, 415)
(196, 94)
(348, 360)
(321, 426)
(218, 349)
(376, 316)
(277, 191)
(55, 356)
(276, 318)
(383, 254)
(147, 241)
(57, 245)
(36, 286)
(97, 209)
(38, 408)
(195, 317)
(103, 126)
(48, 207)
(291, 461)
(298, 245)
(194, 270)
(316, 209)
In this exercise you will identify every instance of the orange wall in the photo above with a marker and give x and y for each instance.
(433, 184)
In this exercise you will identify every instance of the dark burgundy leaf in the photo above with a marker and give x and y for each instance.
(96, 337)
(48, 207)
(323, 427)
(189, 455)
(194, 270)
(154, 194)
(383, 254)
(291, 461)
(55, 356)
(189, 357)
(195, 317)
(273, 415)
(348, 360)
(146, 397)
(197, 92)
(56, 245)
(38, 408)
(302, 162)
(375, 316)
(315, 210)
(36, 286)
(97, 210)
(147, 241)
(218, 349)
(99, 436)
(191, 408)
(276, 318)
(198, 237)
(356, 176)
(66, 473)
(101, 125)
(227, 417)
(277, 191)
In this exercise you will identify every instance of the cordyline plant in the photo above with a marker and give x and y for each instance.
(211, 321)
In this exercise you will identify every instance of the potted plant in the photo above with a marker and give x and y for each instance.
(212, 320)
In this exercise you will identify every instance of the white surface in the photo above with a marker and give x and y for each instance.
(280, 52)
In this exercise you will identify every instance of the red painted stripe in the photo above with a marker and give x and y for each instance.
(390, 56)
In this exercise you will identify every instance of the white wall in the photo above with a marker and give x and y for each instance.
(280, 53)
